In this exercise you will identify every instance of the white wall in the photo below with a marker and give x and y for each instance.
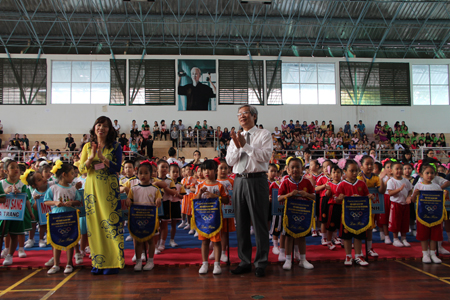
(61, 118)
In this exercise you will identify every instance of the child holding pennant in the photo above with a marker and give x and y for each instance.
(15, 229)
(296, 187)
(352, 187)
(205, 214)
(430, 213)
(148, 195)
(62, 197)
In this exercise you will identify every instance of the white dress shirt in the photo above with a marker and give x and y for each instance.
(259, 151)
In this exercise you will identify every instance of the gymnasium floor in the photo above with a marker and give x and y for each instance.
(380, 280)
(404, 277)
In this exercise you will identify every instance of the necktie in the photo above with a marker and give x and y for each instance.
(240, 168)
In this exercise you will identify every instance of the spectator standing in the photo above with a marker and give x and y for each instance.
(134, 132)
(116, 126)
(361, 128)
(330, 126)
(70, 143)
(156, 131)
(164, 130)
(347, 128)
(181, 128)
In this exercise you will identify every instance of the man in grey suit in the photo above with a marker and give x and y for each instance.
(249, 153)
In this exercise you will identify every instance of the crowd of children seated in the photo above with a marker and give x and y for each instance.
(327, 181)
(324, 139)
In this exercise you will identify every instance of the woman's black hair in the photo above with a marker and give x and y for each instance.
(428, 150)
(396, 163)
(65, 168)
(22, 167)
(209, 165)
(146, 165)
(348, 163)
(197, 151)
(363, 159)
(110, 138)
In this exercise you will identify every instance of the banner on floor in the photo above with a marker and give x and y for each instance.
(81, 208)
(206, 216)
(377, 202)
(142, 222)
(298, 216)
(14, 207)
(356, 214)
(277, 208)
(43, 210)
(430, 208)
(228, 209)
(63, 229)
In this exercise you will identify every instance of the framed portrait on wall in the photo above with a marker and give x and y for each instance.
(197, 84)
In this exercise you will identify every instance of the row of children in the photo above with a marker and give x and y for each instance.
(59, 192)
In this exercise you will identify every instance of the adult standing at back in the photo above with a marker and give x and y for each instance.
(249, 153)
(101, 159)
(70, 143)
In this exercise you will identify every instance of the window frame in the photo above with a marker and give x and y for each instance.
(429, 85)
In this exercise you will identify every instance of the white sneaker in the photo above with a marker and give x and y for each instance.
(426, 259)
(138, 266)
(134, 258)
(297, 255)
(68, 269)
(187, 227)
(78, 259)
(143, 256)
(173, 244)
(217, 269)
(8, 260)
(442, 250)
(29, 244)
(276, 250)
(305, 264)
(331, 246)
(157, 252)
(42, 244)
(406, 244)
(348, 261)
(203, 269)
(374, 230)
(336, 241)
(387, 240)
(372, 253)
(324, 242)
(314, 233)
(50, 263)
(382, 235)
(414, 232)
(435, 259)
(191, 231)
(287, 265)
(282, 256)
(4, 253)
(129, 238)
(53, 270)
(149, 266)
(22, 253)
(361, 261)
(223, 258)
(396, 243)
(211, 256)
(182, 224)
(196, 234)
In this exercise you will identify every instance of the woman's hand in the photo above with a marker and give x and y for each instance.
(93, 150)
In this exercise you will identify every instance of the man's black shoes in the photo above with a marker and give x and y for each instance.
(242, 270)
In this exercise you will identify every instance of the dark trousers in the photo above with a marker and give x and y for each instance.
(251, 204)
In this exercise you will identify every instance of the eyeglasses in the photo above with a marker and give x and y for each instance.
(243, 113)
